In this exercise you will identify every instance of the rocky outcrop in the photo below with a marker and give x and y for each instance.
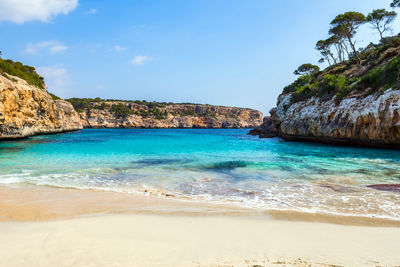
(26, 110)
(268, 129)
(100, 115)
(372, 120)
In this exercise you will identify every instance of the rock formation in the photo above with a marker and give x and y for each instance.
(373, 120)
(102, 114)
(27, 110)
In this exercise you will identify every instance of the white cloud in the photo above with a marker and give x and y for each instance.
(52, 46)
(139, 60)
(58, 48)
(119, 48)
(92, 11)
(20, 11)
(56, 78)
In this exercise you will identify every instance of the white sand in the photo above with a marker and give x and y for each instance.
(171, 240)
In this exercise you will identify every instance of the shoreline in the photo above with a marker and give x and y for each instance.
(20, 203)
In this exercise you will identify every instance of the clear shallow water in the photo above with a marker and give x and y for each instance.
(211, 165)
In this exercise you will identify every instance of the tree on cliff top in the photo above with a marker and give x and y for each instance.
(395, 3)
(346, 25)
(324, 47)
(381, 19)
(306, 69)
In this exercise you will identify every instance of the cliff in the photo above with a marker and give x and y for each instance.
(98, 113)
(348, 103)
(369, 121)
(27, 110)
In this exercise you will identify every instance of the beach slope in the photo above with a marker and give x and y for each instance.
(172, 240)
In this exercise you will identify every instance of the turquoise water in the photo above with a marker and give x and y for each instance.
(210, 165)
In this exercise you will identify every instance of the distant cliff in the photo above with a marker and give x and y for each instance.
(98, 113)
(27, 109)
(348, 103)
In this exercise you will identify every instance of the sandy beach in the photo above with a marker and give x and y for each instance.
(108, 229)
(151, 240)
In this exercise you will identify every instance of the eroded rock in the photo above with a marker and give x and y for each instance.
(178, 116)
(373, 120)
(26, 110)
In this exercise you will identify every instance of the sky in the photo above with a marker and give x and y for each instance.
(223, 52)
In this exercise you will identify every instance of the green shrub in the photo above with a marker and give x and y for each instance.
(188, 113)
(103, 106)
(383, 77)
(120, 110)
(331, 84)
(301, 81)
(80, 104)
(22, 71)
(342, 92)
(303, 93)
(328, 86)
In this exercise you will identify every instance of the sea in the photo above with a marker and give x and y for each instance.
(211, 165)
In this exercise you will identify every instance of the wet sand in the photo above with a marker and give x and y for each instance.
(42, 203)
(44, 226)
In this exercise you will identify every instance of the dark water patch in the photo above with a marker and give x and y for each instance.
(290, 159)
(386, 187)
(287, 169)
(227, 165)
(363, 171)
(322, 171)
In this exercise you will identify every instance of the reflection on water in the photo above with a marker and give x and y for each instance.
(212, 165)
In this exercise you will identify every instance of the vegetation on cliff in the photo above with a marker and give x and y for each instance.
(142, 108)
(28, 73)
(364, 71)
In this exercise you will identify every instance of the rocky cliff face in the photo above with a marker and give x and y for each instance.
(102, 115)
(372, 121)
(355, 102)
(26, 110)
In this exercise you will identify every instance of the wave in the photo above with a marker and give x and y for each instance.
(327, 197)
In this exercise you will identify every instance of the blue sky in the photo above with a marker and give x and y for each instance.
(225, 52)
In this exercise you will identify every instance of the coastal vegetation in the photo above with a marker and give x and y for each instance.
(363, 71)
(120, 108)
(28, 73)
(124, 108)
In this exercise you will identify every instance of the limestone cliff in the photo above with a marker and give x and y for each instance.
(139, 114)
(27, 110)
(372, 121)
